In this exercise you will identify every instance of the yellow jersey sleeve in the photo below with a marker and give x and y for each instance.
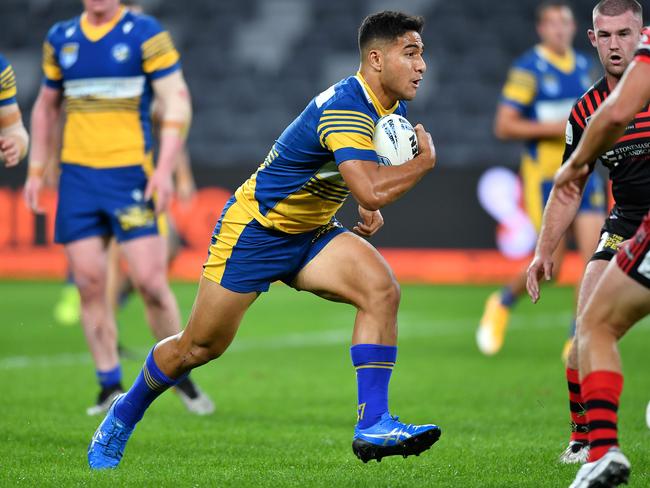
(348, 134)
(7, 84)
(159, 56)
(520, 87)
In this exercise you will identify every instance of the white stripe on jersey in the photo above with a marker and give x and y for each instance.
(554, 110)
(122, 87)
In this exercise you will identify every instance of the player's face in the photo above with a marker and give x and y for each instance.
(403, 66)
(556, 29)
(101, 7)
(616, 39)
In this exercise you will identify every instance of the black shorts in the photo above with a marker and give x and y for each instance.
(634, 257)
(615, 230)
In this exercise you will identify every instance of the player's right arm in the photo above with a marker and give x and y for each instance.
(519, 93)
(46, 115)
(374, 186)
(45, 118)
(557, 218)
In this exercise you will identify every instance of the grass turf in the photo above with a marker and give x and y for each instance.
(286, 397)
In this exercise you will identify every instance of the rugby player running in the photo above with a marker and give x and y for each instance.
(280, 225)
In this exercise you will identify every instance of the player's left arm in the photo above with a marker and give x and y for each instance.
(174, 97)
(14, 139)
(608, 123)
(161, 64)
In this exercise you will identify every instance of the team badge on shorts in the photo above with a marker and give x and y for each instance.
(69, 54)
(121, 52)
(135, 217)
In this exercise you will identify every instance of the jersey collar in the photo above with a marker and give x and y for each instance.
(372, 98)
(95, 32)
(566, 63)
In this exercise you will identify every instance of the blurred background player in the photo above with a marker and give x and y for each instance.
(622, 295)
(541, 88)
(107, 64)
(280, 225)
(616, 30)
(119, 286)
(13, 136)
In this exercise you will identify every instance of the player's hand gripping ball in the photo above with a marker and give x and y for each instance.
(394, 140)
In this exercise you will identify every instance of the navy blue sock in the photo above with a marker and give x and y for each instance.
(508, 299)
(148, 386)
(374, 364)
(110, 378)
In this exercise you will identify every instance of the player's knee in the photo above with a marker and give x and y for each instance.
(153, 290)
(91, 285)
(191, 353)
(384, 295)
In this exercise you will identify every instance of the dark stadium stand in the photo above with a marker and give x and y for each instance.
(253, 64)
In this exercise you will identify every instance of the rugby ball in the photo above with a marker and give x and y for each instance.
(394, 140)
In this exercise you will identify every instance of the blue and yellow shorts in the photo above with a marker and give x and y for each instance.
(538, 192)
(103, 202)
(244, 256)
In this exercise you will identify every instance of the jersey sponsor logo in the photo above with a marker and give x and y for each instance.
(121, 52)
(554, 110)
(122, 87)
(69, 54)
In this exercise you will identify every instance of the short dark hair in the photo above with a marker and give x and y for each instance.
(549, 4)
(612, 8)
(388, 26)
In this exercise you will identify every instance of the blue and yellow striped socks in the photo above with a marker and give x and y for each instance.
(148, 386)
(374, 364)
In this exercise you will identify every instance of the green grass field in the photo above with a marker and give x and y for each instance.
(286, 397)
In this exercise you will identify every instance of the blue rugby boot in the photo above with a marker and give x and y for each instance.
(390, 437)
(107, 445)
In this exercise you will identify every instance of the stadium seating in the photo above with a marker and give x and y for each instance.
(253, 64)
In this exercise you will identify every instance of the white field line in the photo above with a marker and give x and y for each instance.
(411, 326)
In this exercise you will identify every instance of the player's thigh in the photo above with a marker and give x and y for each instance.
(215, 317)
(618, 302)
(87, 259)
(146, 258)
(593, 272)
(586, 231)
(348, 269)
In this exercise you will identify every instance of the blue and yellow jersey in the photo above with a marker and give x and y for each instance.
(7, 83)
(105, 73)
(543, 86)
(298, 187)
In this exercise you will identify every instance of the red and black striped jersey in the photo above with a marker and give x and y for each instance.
(628, 161)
